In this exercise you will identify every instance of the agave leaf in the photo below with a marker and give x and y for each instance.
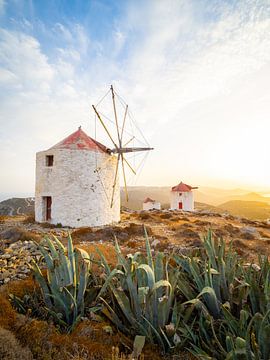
(84, 275)
(158, 267)
(52, 249)
(138, 346)
(264, 336)
(150, 274)
(156, 333)
(43, 284)
(60, 246)
(108, 280)
(148, 250)
(211, 301)
(47, 257)
(103, 261)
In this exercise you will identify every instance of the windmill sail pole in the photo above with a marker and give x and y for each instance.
(104, 126)
(115, 179)
(128, 164)
(124, 176)
(124, 122)
(124, 150)
(115, 116)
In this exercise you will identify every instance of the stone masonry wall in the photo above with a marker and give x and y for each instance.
(80, 183)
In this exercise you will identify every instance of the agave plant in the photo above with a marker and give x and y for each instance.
(64, 284)
(214, 277)
(143, 295)
(258, 279)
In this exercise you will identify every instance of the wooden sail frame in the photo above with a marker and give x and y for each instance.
(119, 149)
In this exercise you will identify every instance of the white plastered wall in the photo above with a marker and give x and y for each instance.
(151, 205)
(80, 183)
(185, 197)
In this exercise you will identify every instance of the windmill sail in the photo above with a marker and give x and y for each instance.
(118, 147)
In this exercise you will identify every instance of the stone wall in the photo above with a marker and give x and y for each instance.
(80, 183)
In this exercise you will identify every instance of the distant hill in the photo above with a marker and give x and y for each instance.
(17, 206)
(237, 201)
(205, 195)
(137, 195)
(250, 209)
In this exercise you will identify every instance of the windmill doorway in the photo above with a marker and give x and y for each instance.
(47, 206)
(180, 205)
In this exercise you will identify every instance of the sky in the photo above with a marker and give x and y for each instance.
(196, 74)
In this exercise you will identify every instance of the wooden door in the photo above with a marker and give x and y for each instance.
(48, 208)
(180, 205)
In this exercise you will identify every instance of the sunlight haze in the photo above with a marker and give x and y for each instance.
(195, 74)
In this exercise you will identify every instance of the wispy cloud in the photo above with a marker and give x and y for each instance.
(194, 73)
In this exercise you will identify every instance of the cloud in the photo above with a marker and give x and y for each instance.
(193, 72)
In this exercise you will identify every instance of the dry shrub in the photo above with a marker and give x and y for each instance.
(264, 235)
(20, 288)
(187, 233)
(107, 250)
(29, 219)
(145, 216)
(221, 233)
(108, 233)
(7, 313)
(3, 218)
(202, 223)
(240, 246)
(15, 234)
(10, 349)
(37, 336)
(166, 216)
(232, 230)
(88, 341)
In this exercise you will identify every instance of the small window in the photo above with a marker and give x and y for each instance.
(49, 160)
(180, 194)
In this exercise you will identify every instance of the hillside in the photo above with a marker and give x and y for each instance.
(249, 209)
(239, 205)
(17, 206)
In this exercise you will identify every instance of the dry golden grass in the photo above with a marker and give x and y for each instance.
(10, 348)
(20, 288)
(7, 313)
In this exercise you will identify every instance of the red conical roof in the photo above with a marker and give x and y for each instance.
(148, 199)
(79, 140)
(183, 187)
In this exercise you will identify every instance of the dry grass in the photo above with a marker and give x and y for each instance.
(20, 288)
(10, 348)
(7, 313)
(29, 219)
(15, 234)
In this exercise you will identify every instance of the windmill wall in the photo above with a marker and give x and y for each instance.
(151, 205)
(186, 198)
(80, 185)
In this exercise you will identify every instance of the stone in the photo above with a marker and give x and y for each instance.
(6, 256)
(250, 233)
(155, 243)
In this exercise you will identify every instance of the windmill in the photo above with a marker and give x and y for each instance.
(119, 147)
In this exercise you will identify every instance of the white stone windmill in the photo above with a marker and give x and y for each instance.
(77, 180)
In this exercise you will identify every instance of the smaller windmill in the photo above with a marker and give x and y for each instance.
(120, 147)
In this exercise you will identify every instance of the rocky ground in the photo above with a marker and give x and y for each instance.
(169, 231)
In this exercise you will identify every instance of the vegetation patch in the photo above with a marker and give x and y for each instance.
(206, 304)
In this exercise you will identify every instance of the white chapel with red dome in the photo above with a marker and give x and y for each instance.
(182, 197)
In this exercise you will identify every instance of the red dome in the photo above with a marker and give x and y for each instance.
(183, 187)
